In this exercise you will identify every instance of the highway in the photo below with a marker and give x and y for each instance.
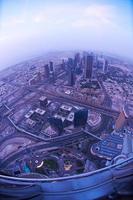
(55, 142)
(62, 97)
(100, 109)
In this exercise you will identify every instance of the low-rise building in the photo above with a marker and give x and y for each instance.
(31, 122)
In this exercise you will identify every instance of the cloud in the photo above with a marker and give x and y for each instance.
(93, 15)
(40, 18)
(99, 11)
(65, 26)
(96, 16)
(3, 38)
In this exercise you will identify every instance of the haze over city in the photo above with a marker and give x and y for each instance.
(29, 28)
(66, 99)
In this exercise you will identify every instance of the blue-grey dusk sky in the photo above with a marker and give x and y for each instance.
(29, 28)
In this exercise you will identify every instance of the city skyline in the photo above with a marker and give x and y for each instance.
(65, 123)
(30, 28)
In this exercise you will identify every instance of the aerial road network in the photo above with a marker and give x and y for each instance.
(66, 100)
(64, 132)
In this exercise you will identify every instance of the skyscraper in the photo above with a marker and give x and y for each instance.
(51, 74)
(71, 77)
(52, 77)
(106, 66)
(80, 117)
(123, 116)
(101, 64)
(88, 66)
(46, 69)
(43, 101)
(63, 64)
(70, 62)
(51, 66)
(76, 59)
(56, 123)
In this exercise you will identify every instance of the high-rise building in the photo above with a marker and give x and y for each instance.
(46, 69)
(52, 77)
(80, 117)
(71, 77)
(51, 72)
(51, 66)
(123, 116)
(88, 66)
(100, 64)
(76, 59)
(78, 69)
(83, 57)
(43, 101)
(56, 123)
(106, 66)
(63, 64)
(70, 62)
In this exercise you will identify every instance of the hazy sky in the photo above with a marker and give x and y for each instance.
(30, 27)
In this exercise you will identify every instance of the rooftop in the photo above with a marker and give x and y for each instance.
(29, 114)
(43, 98)
(66, 107)
(40, 111)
